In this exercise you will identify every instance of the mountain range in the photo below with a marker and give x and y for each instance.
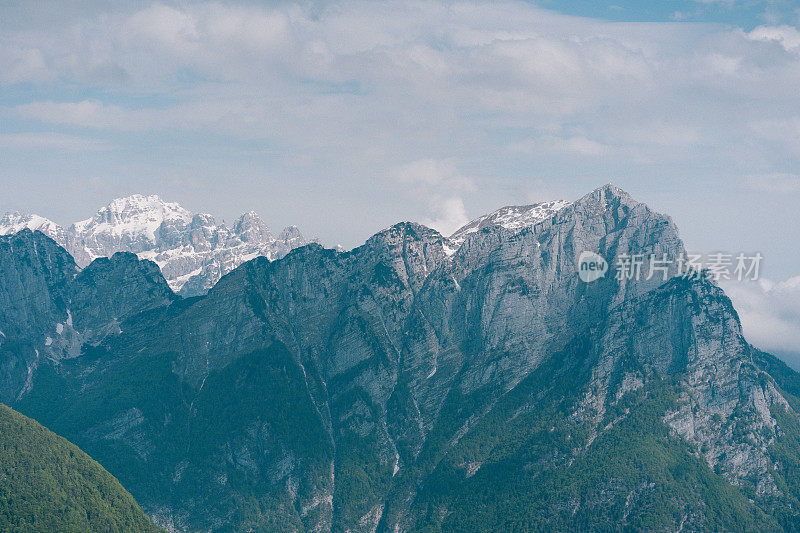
(415, 383)
(193, 250)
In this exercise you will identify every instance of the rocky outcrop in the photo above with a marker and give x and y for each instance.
(512, 217)
(12, 223)
(688, 328)
(110, 290)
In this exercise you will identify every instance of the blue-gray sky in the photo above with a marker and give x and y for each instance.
(343, 118)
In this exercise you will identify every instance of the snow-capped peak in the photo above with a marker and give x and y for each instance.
(192, 249)
(512, 217)
(15, 222)
(134, 215)
(291, 234)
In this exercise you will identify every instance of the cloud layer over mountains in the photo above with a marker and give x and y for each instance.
(310, 110)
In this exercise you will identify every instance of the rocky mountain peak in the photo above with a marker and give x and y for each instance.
(610, 191)
(291, 235)
(111, 288)
(14, 222)
(607, 198)
(394, 388)
(138, 203)
(404, 234)
(203, 219)
(133, 217)
(193, 250)
(250, 227)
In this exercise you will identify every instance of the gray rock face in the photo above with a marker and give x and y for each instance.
(192, 250)
(725, 407)
(34, 275)
(332, 388)
(110, 289)
(49, 308)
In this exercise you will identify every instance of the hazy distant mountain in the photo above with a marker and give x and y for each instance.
(11, 223)
(48, 484)
(414, 383)
(192, 250)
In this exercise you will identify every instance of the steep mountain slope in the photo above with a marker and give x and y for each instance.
(192, 249)
(48, 484)
(34, 274)
(49, 308)
(404, 385)
(597, 437)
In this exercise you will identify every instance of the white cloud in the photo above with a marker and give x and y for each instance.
(301, 68)
(783, 131)
(433, 184)
(787, 36)
(20, 64)
(241, 118)
(429, 173)
(87, 113)
(575, 145)
(450, 216)
(770, 314)
(345, 92)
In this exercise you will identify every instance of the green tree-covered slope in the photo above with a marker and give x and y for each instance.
(48, 484)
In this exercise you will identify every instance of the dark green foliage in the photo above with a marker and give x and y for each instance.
(263, 387)
(384, 275)
(48, 484)
(361, 479)
(145, 384)
(785, 451)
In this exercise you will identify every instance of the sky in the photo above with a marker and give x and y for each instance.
(344, 118)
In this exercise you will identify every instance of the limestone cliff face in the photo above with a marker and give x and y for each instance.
(34, 275)
(49, 308)
(110, 289)
(726, 403)
(331, 390)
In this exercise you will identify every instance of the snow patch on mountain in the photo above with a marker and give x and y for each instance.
(15, 222)
(512, 217)
(132, 217)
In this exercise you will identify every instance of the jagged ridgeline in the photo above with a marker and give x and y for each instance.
(48, 484)
(193, 250)
(417, 382)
